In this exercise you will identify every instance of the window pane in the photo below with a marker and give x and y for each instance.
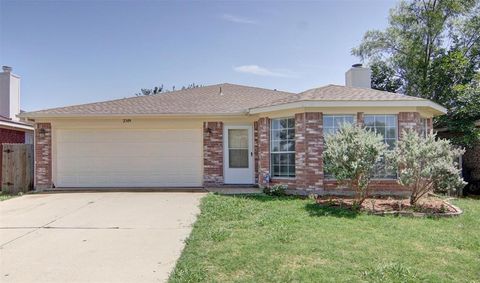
(275, 135)
(391, 121)
(238, 158)
(380, 120)
(328, 121)
(291, 134)
(369, 120)
(283, 147)
(391, 133)
(291, 123)
(349, 119)
(238, 138)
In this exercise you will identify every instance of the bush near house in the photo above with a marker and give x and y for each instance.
(351, 156)
(427, 163)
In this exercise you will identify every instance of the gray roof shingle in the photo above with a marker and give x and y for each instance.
(218, 99)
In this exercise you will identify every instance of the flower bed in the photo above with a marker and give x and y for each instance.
(428, 206)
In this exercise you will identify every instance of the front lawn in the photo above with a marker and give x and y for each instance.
(5, 196)
(269, 239)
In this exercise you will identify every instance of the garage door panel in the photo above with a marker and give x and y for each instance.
(133, 158)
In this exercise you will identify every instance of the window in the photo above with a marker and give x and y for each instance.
(423, 127)
(331, 124)
(282, 147)
(385, 125)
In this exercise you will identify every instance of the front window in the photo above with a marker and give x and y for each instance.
(331, 125)
(386, 126)
(282, 147)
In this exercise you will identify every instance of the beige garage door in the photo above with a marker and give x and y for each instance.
(129, 158)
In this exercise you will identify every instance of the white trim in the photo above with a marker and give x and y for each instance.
(350, 103)
(251, 154)
(16, 126)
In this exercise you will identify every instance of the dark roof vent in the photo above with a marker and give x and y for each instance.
(358, 65)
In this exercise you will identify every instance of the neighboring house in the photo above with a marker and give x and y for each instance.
(216, 135)
(470, 162)
(12, 130)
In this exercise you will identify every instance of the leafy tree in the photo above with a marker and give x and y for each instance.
(431, 49)
(426, 164)
(162, 89)
(351, 156)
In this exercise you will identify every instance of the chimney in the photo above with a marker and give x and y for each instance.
(9, 94)
(358, 76)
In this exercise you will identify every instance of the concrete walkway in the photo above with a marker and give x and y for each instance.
(94, 237)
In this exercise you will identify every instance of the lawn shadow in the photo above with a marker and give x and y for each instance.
(317, 210)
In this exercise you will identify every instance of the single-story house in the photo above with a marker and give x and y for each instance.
(12, 130)
(217, 135)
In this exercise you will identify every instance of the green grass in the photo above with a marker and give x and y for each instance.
(5, 196)
(268, 239)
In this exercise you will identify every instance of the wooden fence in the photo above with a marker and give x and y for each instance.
(17, 168)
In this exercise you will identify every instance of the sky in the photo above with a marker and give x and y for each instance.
(73, 52)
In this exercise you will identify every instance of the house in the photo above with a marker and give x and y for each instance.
(12, 130)
(470, 161)
(216, 135)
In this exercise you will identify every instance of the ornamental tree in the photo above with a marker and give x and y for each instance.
(427, 164)
(351, 155)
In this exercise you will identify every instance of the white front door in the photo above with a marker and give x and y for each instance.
(238, 155)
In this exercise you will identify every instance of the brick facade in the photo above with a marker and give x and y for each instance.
(308, 151)
(263, 150)
(212, 154)
(43, 156)
(408, 120)
(9, 136)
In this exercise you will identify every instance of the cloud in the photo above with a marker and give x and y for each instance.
(238, 20)
(260, 71)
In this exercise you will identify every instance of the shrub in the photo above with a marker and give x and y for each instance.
(351, 155)
(276, 190)
(426, 164)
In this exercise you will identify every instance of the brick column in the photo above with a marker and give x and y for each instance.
(255, 150)
(263, 150)
(408, 120)
(212, 154)
(308, 151)
(43, 156)
(360, 119)
(429, 125)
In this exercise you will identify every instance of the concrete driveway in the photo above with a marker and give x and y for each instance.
(94, 237)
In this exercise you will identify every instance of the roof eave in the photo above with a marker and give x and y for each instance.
(437, 109)
(10, 125)
(33, 115)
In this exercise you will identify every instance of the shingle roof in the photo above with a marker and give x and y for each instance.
(214, 99)
(219, 99)
(343, 93)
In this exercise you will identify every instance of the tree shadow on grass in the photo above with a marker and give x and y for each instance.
(317, 210)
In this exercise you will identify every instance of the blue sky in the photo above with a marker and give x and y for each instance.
(71, 52)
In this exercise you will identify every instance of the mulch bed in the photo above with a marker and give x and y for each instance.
(388, 205)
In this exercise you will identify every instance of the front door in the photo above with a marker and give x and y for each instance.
(238, 155)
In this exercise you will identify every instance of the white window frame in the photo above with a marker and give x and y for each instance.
(383, 177)
(326, 175)
(280, 152)
(424, 127)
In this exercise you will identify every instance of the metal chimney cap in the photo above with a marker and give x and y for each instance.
(358, 65)
(7, 69)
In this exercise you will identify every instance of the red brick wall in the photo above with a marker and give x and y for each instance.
(9, 136)
(263, 150)
(308, 151)
(43, 156)
(212, 154)
(255, 149)
(408, 120)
